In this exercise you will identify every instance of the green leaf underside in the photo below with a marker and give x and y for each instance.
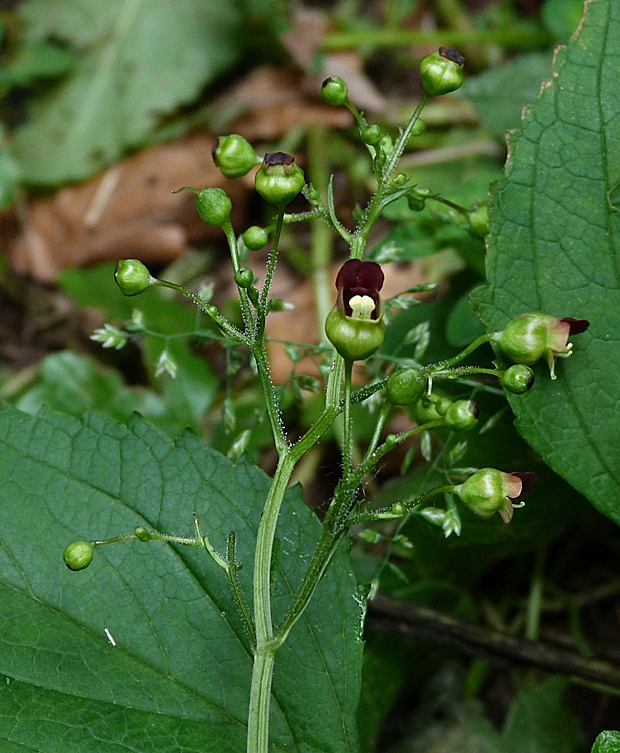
(178, 677)
(139, 61)
(554, 246)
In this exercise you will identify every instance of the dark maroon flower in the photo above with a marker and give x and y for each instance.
(576, 326)
(361, 279)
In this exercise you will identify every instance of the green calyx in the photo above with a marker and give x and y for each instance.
(405, 386)
(79, 555)
(525, 339)
(244, 278)
(335, 91)
(279, 178)
(255, 238)
(431, 408)
(355, 339)
(462, 415)
(371, 134)
(442, 72)
(479, 221)
(132, 277)
(234, 156)
(517, 379)
(214, 206)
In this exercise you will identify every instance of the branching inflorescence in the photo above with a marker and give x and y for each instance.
(355, 327)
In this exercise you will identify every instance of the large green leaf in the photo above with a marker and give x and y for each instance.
(139, 61)
(554, 246)
(178, 676)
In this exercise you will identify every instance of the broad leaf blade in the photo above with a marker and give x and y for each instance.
(554, 246)
(180, 669)
(139, 61)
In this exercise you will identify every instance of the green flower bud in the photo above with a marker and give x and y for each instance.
(371, 135)
(214, 206)
(234, 156)
(386, 145)
(405, 386)
(442, 72)
(244, 278)
(479, 221)
(462, 415)
(279, 179)
(355, 325)
(415, 202)
(418, 128)
(142, 534)
(335, 91)
(399, 180)
(517, 379)
(489, 491)
(398, 509)
(255, 238)
(431, 408)
(132, 277)
(79, 555)
(532, 336)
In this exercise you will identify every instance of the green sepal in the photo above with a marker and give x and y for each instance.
(406, 386)
(462, 415)
(214, 206)
(280, 183)
(255, 238)
(132, 277)
(79, 555)
(335, 91)
(234, 156)
(442, 72)
(517, 379)
(354, 339)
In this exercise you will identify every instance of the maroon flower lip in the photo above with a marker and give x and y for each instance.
(528, 479)
(577, 326)
(357, 277)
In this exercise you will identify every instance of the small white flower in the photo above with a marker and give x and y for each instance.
(166, 364)
(110, 337)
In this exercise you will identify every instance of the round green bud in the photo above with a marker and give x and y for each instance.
(479, 221)
(398, 509)
(335, 91)
(415, 202)
(517, 379)
(142, 534)
(371, 135)
(234, 156)
(399, 180)
(79, 555)
(255, 238)
(279, 179)
(405, 386)
(214, 206)
(244, 278)
(386, 144)
(524, 340)
(462, 415)
(431, 408)
(442, 72)
(354, 339)
(132, 277)
(418, 128)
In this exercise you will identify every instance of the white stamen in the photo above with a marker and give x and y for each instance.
(109, 636)
(362, 306)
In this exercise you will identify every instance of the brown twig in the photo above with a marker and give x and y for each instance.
(388, 614)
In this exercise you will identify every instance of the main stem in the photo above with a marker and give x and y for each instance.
(266, 647)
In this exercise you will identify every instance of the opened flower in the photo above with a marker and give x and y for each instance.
(355, 325)
(532, 336)
(488, 491)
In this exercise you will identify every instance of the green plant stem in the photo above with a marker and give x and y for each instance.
(377, 203)
(347, 439)
(321, 236)
(264, 656)
(272, 261)
(443, 365)
(385, 512)
(389, 37)
(535, 598)
(228, 329)
(246, 311)
(260, 699)
(376, 436)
